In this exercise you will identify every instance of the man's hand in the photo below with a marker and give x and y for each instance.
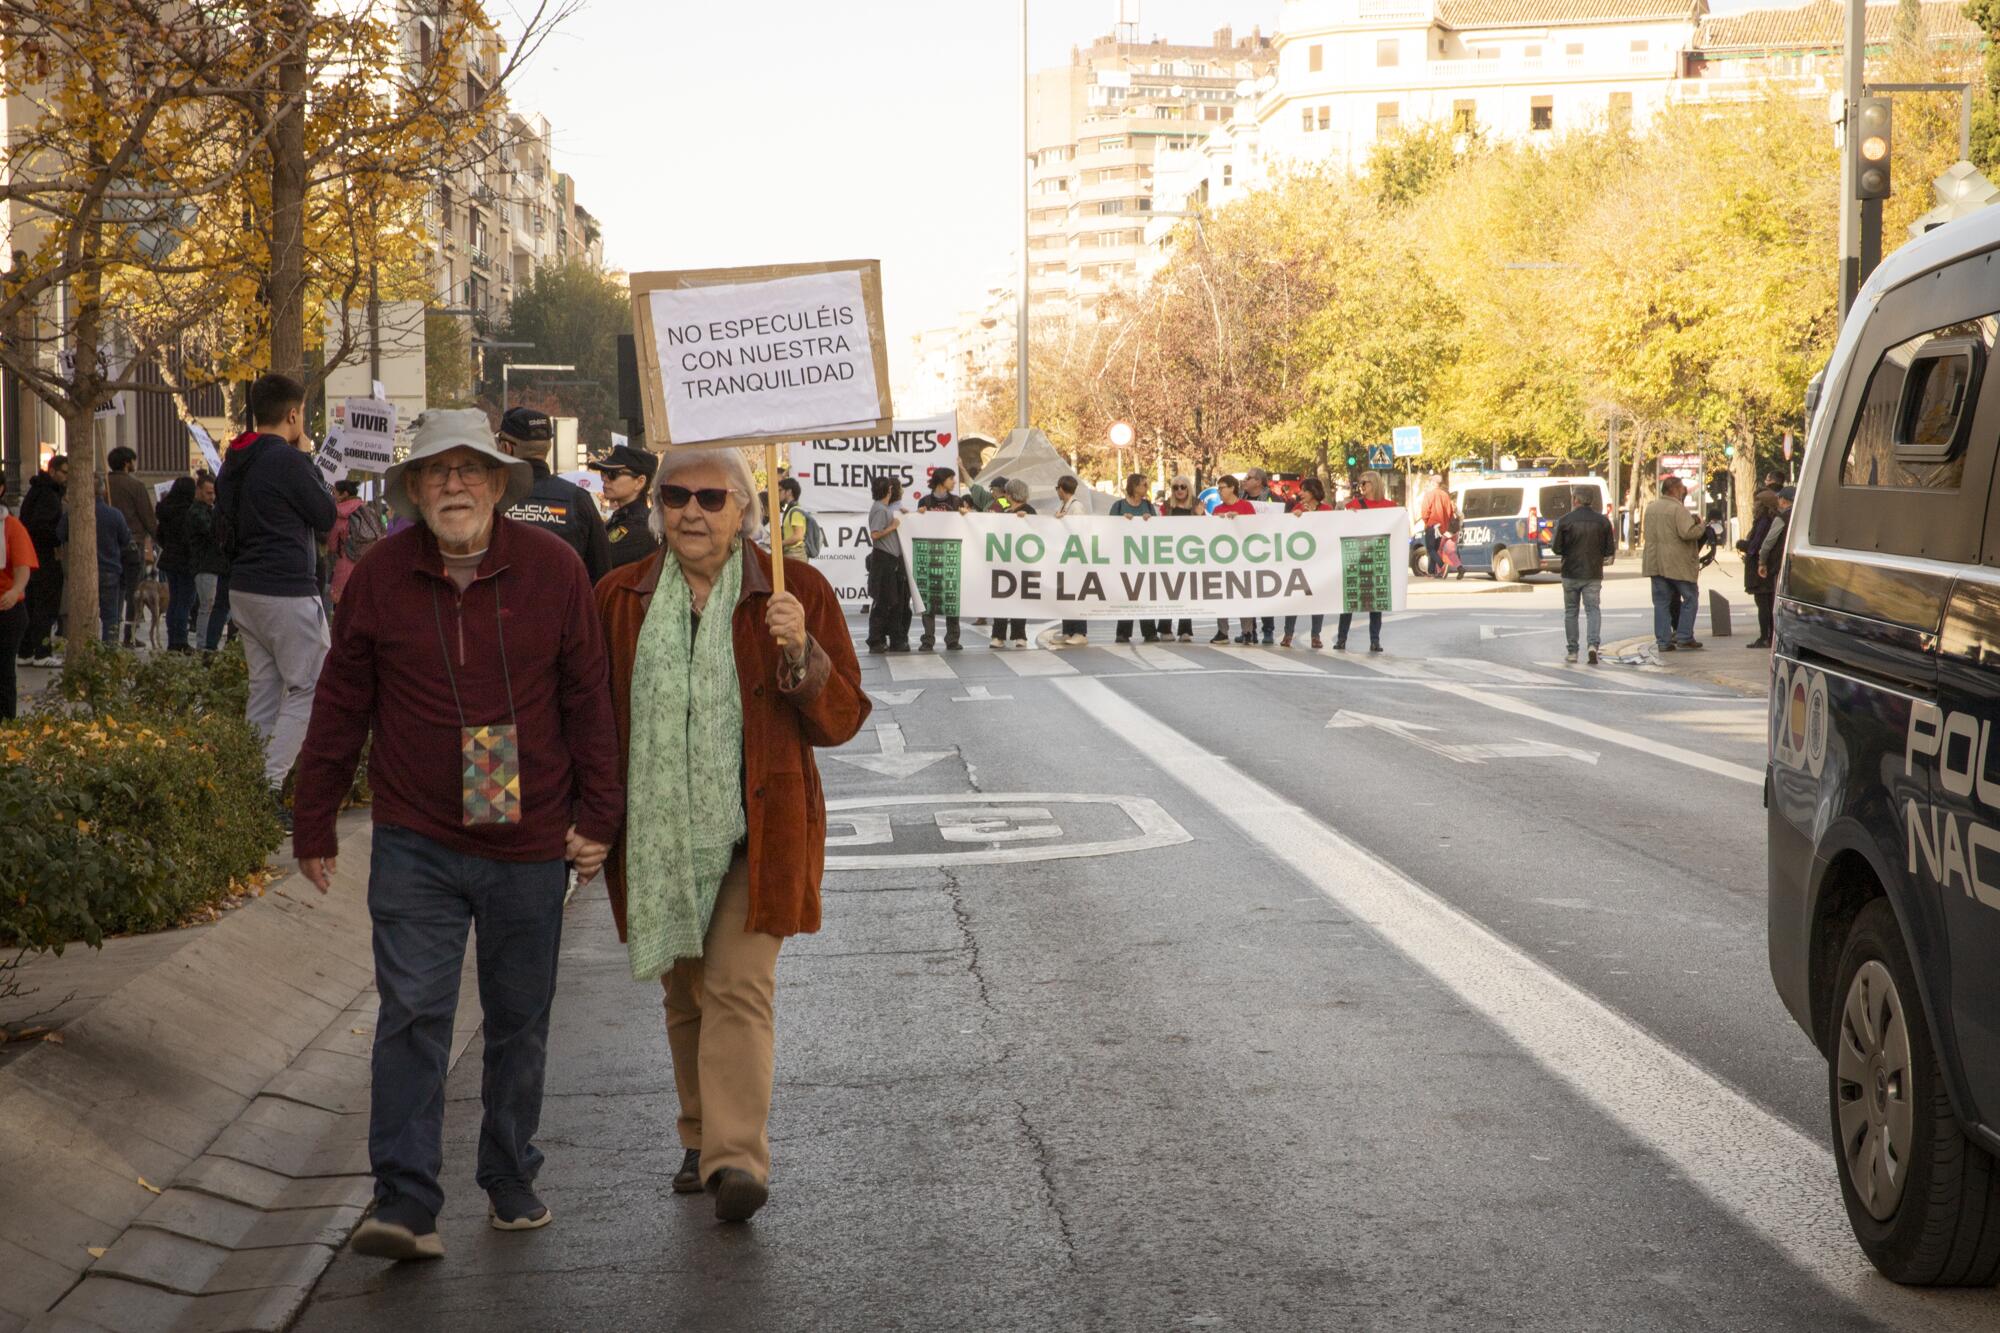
(11, 598)
(585, 855)
(319, 870)
(786, 619)
(1762, 572)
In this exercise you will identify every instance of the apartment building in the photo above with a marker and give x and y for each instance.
(1735, 56)
(1098, 126)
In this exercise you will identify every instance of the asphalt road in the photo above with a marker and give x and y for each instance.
(1204, 988)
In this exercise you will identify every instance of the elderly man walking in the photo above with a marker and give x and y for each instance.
(722, 689)
(469, 646)
(1671, 535)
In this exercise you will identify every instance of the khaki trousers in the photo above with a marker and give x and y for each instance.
(720, 1029)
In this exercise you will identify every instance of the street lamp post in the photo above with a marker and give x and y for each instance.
(1027, 194)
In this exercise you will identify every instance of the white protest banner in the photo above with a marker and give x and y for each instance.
(369, 434)
(762, 355)
(209, 453)
(586, 480)
(844, 558)
(1123, 569)
(835, 474)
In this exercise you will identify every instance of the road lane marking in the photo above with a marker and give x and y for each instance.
(1610, 735)
(920, 666)
(1778, 1181)
(1165, 659)
(1414, 733)
(1266, 659)
(979, 694)
(896, 698)
(1500, 671)
(1034, 662)
(1010, 835)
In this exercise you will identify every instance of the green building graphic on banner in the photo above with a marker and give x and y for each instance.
(936, 573)
(1365, 574)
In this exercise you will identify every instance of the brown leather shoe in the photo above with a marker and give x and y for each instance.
(687, 1180)
(738, 1194)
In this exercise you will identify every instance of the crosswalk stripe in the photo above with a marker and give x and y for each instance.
(1162, 659)
(1495, 670)
(1035, 662)
(1266, 659)
(920, 666)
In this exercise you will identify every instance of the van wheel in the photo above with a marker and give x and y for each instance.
(1503, 566)
(1924, 1200)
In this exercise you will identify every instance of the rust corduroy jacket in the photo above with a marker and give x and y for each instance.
(785, 808)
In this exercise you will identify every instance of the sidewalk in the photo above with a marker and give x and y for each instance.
(190, 1148)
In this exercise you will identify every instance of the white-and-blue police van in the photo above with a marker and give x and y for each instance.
(1883, 785)
(1506, 519)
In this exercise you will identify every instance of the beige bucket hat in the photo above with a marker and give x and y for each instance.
(441, 430)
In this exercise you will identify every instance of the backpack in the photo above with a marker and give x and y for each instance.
(364, 529)
(815, 534)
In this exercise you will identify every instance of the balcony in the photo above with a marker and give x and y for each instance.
(481, 260)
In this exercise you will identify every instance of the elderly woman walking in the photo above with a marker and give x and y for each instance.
(721, 688)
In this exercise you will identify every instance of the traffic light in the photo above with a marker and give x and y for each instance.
(1352, 460)
(1873, 121)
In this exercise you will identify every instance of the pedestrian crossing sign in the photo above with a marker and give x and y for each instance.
(1380, 459)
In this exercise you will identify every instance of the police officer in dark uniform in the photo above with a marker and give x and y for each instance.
(628, 486)
(562, 507)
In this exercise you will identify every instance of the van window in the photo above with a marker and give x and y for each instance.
(1911, 429)
(1557, 500)
(1491, 502)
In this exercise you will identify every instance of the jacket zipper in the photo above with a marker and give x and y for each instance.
(458, 609)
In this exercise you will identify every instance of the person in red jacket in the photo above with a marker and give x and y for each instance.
(469, 646)
(1439, 514)
(1230, 503)
(1367, 495)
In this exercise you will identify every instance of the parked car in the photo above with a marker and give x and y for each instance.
(1882, 787)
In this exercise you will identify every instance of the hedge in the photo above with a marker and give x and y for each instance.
(134, 797)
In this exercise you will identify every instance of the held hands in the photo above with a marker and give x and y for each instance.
(318, 870)
(585, 855)
(786, 619)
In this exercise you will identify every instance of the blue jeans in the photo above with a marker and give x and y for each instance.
(1347, 618)
(1586, 591)
(1666, 627)
(1292, 624)
(110, 604)
(180, 607)
(214, 591)
(421, 898)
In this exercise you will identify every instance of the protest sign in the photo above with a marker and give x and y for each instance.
(1124, 569)
(762, 355)
(835, 474)
(331, 458)
(209, 454)
(844, 558)
(369, 434)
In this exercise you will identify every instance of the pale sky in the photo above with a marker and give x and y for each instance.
(735, 132)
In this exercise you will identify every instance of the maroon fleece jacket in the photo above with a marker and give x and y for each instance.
(400, 621)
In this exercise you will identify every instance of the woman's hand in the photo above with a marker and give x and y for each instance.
(585, 855)
(786, 619)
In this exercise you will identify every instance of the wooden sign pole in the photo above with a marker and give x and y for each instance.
(774, 518)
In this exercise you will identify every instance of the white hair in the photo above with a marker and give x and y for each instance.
(734, 466)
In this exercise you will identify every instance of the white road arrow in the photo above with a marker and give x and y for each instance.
(894, 761)
(897, 698)
(1505, 632)
(979, 694)
(1413, 732)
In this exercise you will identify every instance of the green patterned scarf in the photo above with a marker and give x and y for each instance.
(684, 792)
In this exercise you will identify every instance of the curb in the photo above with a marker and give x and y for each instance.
(1643, 647)
(193, 1152)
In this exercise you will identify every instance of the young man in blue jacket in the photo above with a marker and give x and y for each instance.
(275, 510)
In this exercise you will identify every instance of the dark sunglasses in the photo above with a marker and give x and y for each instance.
(609, 472)
(712, 498)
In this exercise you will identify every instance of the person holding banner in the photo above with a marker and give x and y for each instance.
(1075, 633)
(1312, 499)
(1136, 505)
(1181, 503)
(941, 500)
(1367, 495)
(1016, 630)
(721, 688)
(1229, 504)
(888, 584)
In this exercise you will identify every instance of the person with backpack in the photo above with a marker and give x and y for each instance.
(795, 525)
(356, 528)
(628, 477)
(275, 510)
(176, 561)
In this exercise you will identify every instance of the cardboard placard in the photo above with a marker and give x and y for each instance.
(368, 434)
(836, 473)
(762, 355)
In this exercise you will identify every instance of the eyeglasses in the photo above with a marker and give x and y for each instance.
(712, 498)
(468, 474)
